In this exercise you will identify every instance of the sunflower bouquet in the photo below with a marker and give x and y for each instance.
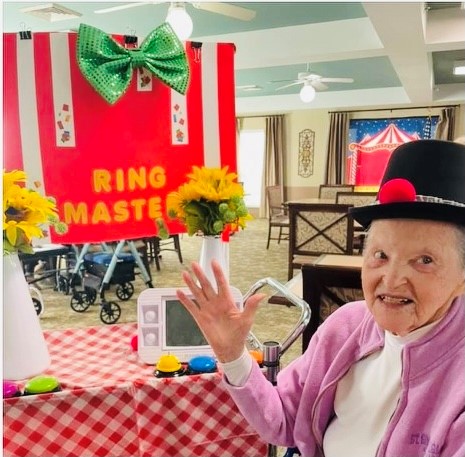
(209, 203)
(25, 212)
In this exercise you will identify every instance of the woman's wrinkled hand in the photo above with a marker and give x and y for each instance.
(224, 326)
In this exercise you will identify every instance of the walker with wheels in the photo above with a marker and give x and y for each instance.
(94, 273)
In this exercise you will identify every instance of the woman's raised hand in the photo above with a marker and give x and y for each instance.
(224, 326)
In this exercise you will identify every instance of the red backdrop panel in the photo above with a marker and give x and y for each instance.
(110, 167)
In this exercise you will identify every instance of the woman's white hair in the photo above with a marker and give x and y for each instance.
(461, 237)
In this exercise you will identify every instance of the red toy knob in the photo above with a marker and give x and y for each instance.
(134, 343)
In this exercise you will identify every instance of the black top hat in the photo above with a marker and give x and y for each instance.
(424, 179)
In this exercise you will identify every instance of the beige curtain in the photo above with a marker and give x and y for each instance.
(274, 157)
(337, 147)
(239, 127)
(446, 125)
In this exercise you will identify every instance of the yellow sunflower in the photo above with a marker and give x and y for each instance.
(25, 212)
(210, 202)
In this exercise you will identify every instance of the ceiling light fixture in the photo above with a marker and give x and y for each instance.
(51, 12)
(307, 93)
(249, 87)
(459, 67)
(180, 21)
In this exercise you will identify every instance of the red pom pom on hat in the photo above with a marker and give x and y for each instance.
(397, 190)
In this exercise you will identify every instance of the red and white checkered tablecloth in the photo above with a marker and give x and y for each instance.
(112, 405)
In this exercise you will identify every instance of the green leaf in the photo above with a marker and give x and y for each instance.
(26, 249)
(162, 229)
(7, 246)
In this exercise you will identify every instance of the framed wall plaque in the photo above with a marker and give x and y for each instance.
(306, 151)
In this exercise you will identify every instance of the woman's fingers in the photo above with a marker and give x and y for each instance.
(221, 281)
(191, 305)
(202, 289)
(224, 325)
(251, 306)
(204, 283)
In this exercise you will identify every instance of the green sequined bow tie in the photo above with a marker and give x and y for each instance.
(108, 66)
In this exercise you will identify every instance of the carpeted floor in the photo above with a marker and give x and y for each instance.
(249, 262)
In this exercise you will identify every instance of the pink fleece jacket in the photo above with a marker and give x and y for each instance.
(429, 420)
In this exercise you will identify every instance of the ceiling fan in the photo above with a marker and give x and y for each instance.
(310, 83)
(314, 80)
(180, 20)
(236, 12)
(249, 88)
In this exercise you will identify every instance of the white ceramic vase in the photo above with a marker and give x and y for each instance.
(213, 247)
(25, 352)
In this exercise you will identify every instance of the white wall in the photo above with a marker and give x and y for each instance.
(318, 121)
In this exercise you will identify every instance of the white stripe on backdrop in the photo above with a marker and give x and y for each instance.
(28, 119)
(211, 133)
(179, 119)
(62, 93)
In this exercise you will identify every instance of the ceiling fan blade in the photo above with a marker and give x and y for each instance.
(249, 87)
(121, 7)
(237, 12)
(337, 80)
(284, 81)
(289, 85)
(318, 85)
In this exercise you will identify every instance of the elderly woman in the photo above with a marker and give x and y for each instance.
(384, 376)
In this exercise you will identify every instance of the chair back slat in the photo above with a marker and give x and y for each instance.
(356, 198)
(329, 191)
(317, 229)
(278, 217)
(325, 290)
(275, 199)
(321, 232)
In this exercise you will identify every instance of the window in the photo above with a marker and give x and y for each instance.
(250, 165)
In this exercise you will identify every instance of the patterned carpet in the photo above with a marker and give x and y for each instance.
(249, 262)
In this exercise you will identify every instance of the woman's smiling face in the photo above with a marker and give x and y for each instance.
(412, 271)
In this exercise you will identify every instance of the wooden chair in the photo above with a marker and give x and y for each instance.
(326, 289)
(357, 199)
(315, 229)
(329, 191)
(278, 217)
(155, 245)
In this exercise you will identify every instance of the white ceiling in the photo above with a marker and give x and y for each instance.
(399, 54)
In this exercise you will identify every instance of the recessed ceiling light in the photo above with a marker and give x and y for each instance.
(51, 12)
(459, 67)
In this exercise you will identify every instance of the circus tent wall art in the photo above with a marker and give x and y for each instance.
(371, 142)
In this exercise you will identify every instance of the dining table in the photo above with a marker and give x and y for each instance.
(112, 404)
(311, 200)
